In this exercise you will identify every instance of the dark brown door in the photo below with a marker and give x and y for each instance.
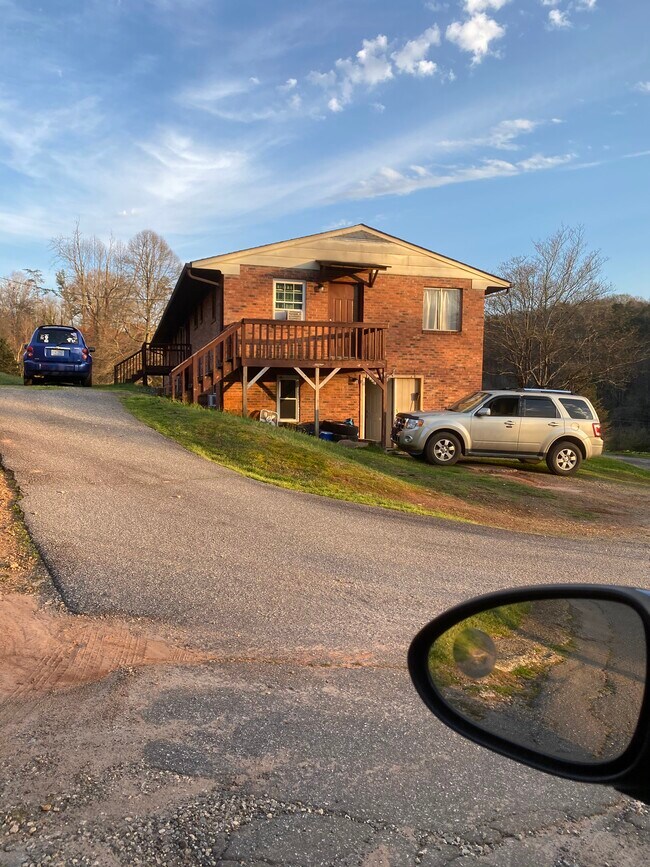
(344, 302)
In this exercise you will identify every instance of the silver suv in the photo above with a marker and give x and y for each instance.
(531, 425)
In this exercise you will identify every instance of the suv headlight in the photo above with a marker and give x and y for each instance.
(413, 423)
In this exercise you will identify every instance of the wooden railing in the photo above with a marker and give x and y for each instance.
(150, 360)
(278, 343)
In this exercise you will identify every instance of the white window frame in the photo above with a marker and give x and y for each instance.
(295, 379)
(279, 310)
(460, 309)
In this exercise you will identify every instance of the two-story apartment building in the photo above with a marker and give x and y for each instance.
(350, 323)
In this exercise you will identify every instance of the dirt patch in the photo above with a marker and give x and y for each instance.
(42, 649)
(21, 569)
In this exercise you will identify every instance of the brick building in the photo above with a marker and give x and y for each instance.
(351, 323)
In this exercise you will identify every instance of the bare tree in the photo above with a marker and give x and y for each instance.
(94, 288)
(553, 328)
(24, 303)
(153, 268)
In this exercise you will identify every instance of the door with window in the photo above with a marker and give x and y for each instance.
(540, 419)
(288, 399)
(406, 394)
(499, 431)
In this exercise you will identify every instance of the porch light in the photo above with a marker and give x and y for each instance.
(319, 287)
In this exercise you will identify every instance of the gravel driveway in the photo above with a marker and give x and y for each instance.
(271, 758)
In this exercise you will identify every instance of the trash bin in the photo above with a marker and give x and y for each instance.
(326, 435)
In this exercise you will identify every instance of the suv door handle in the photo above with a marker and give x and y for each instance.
(554, 424)
(509, 423)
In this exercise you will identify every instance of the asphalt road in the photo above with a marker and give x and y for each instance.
(272, 758)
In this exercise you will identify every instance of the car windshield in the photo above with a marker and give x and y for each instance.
(469, 402)
(58, 337)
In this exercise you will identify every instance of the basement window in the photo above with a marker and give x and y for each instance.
(288, 398)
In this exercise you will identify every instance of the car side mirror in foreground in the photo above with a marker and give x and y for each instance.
(482, 413)
(552, 677)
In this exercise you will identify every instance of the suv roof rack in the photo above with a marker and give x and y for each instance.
(551, 390)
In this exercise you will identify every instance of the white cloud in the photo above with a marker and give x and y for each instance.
(290, 84)
(642, 86)
(501, 136)
(334, 104)
(388, 181)
(475, 35)
(558, 20)
(474, 6)
(412, 57)
(371, 65)
(586, 5)
(551, 2)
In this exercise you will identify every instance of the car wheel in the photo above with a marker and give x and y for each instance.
(27, 380)
(88, 381)
(443, 449)
(564, 458)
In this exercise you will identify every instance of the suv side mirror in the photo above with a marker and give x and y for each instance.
(484, 411)
(552, 677)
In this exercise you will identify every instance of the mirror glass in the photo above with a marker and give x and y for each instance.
(563, 677)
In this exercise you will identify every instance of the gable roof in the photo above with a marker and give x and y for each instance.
(359, 232)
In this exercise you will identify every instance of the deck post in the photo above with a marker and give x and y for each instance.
(385, 420)
(145, 379)
(317, 403)
(244, 391)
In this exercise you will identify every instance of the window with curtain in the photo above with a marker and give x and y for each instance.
(442, 310)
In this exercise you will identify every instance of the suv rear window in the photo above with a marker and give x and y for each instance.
(577, 408)
(58, 336)
(539, 407)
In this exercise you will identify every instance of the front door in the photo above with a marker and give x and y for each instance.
(372, 411)
(344, 302)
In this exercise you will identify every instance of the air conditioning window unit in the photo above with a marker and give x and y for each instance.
(294, 315)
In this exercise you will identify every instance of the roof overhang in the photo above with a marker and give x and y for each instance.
(492, 290)
(191, 286)
(332, 270)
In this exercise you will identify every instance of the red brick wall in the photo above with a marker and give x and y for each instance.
(339, 399)
(450, 363)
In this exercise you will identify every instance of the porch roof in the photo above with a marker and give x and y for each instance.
(354, 269)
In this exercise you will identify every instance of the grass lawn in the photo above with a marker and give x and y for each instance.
(8, 379)
(495, 494)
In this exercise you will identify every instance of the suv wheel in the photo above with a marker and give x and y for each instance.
(443, 449)
(564, 458)
(27, 380)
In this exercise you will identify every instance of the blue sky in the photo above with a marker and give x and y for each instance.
(467, 126)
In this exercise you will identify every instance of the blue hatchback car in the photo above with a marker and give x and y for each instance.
(58, 352)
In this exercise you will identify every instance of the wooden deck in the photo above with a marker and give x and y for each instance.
(250, 347)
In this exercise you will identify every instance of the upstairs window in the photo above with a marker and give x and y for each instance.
(288, 299)
(441, 310)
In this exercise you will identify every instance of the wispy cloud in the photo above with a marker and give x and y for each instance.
(642, 87)
(389, 181)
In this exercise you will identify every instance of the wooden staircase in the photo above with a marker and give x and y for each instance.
(150, 360)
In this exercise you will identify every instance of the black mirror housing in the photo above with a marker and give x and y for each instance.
(628, 772)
